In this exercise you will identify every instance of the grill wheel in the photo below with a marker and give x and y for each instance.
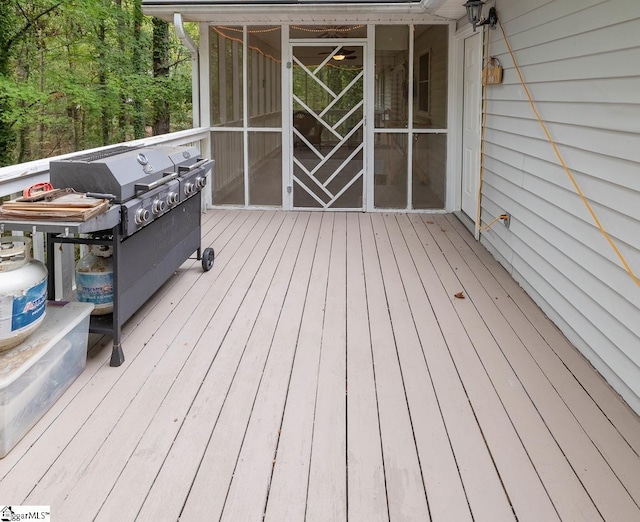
(208, 256)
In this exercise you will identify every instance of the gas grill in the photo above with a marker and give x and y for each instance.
(147, 182)
(153, 223)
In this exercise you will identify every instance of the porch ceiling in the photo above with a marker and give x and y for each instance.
(300, 11)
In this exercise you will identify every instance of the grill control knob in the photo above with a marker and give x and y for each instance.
(158, 206)
(142, 216)
(173, 198)
(201, 182)
(189, 188)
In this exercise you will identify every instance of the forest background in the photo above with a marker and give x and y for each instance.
(78, 74)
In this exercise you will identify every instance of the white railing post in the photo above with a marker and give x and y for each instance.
(37, 240)
(207, 194)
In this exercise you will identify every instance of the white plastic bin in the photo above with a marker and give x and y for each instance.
(34, 374)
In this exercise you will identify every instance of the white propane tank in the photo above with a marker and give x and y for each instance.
(94, 279)
(23, 291)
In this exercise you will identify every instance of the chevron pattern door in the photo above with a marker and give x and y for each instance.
(328, 125)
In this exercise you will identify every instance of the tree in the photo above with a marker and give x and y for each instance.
(76, 75)
(161, 117)
(138, 69)
(15, 24)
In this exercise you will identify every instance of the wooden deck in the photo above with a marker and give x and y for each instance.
(324, 370)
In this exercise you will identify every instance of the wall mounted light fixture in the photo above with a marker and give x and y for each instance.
(474, 13)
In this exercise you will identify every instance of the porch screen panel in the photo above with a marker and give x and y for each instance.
(226, 59)
(392, 77)
(430, 71)
(390, 170)
(228, 174)
(265, 168)
(263, 71)
(391, 95)
(429, 171)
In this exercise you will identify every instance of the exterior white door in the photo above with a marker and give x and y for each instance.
(327, 87)
(472, 124)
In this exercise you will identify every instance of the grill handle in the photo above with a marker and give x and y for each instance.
(99, 195)
(196, 165)
(144, 187)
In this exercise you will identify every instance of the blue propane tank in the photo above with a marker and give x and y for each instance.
(94, 279)
(23, 291)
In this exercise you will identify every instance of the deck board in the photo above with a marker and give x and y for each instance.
(327, 490)
(299, 330)
(405, 487)
(547, 458)
(446, 497)
(174, 480)
(465, 436)
(598, 391)
(553, 383)
(366, 489)
(71, 415)
(504, 460)
(127, 410)
(324, 370)
(249, 342)
(140, 471)
(288, 479)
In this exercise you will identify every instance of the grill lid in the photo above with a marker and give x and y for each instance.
(114, 171)
(182, 156)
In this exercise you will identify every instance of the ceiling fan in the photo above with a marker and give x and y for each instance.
(342, 54)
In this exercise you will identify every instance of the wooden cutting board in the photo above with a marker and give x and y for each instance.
(64, 202)
(64, 206)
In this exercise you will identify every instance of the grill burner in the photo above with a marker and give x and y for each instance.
(156, 191)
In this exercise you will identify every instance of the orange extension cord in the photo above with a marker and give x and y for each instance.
(572, 178)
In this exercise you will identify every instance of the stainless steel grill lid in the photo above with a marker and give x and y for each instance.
(181, 156)
(115, 171)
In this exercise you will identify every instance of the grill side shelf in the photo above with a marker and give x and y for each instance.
(104, 221)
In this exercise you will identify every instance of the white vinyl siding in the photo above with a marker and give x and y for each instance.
(581, 61)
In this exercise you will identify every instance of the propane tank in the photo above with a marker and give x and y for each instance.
(94, 279)
(23, 291)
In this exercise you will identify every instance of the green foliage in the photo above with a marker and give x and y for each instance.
(77, 74)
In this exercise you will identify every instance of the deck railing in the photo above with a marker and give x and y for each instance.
(15, 178)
